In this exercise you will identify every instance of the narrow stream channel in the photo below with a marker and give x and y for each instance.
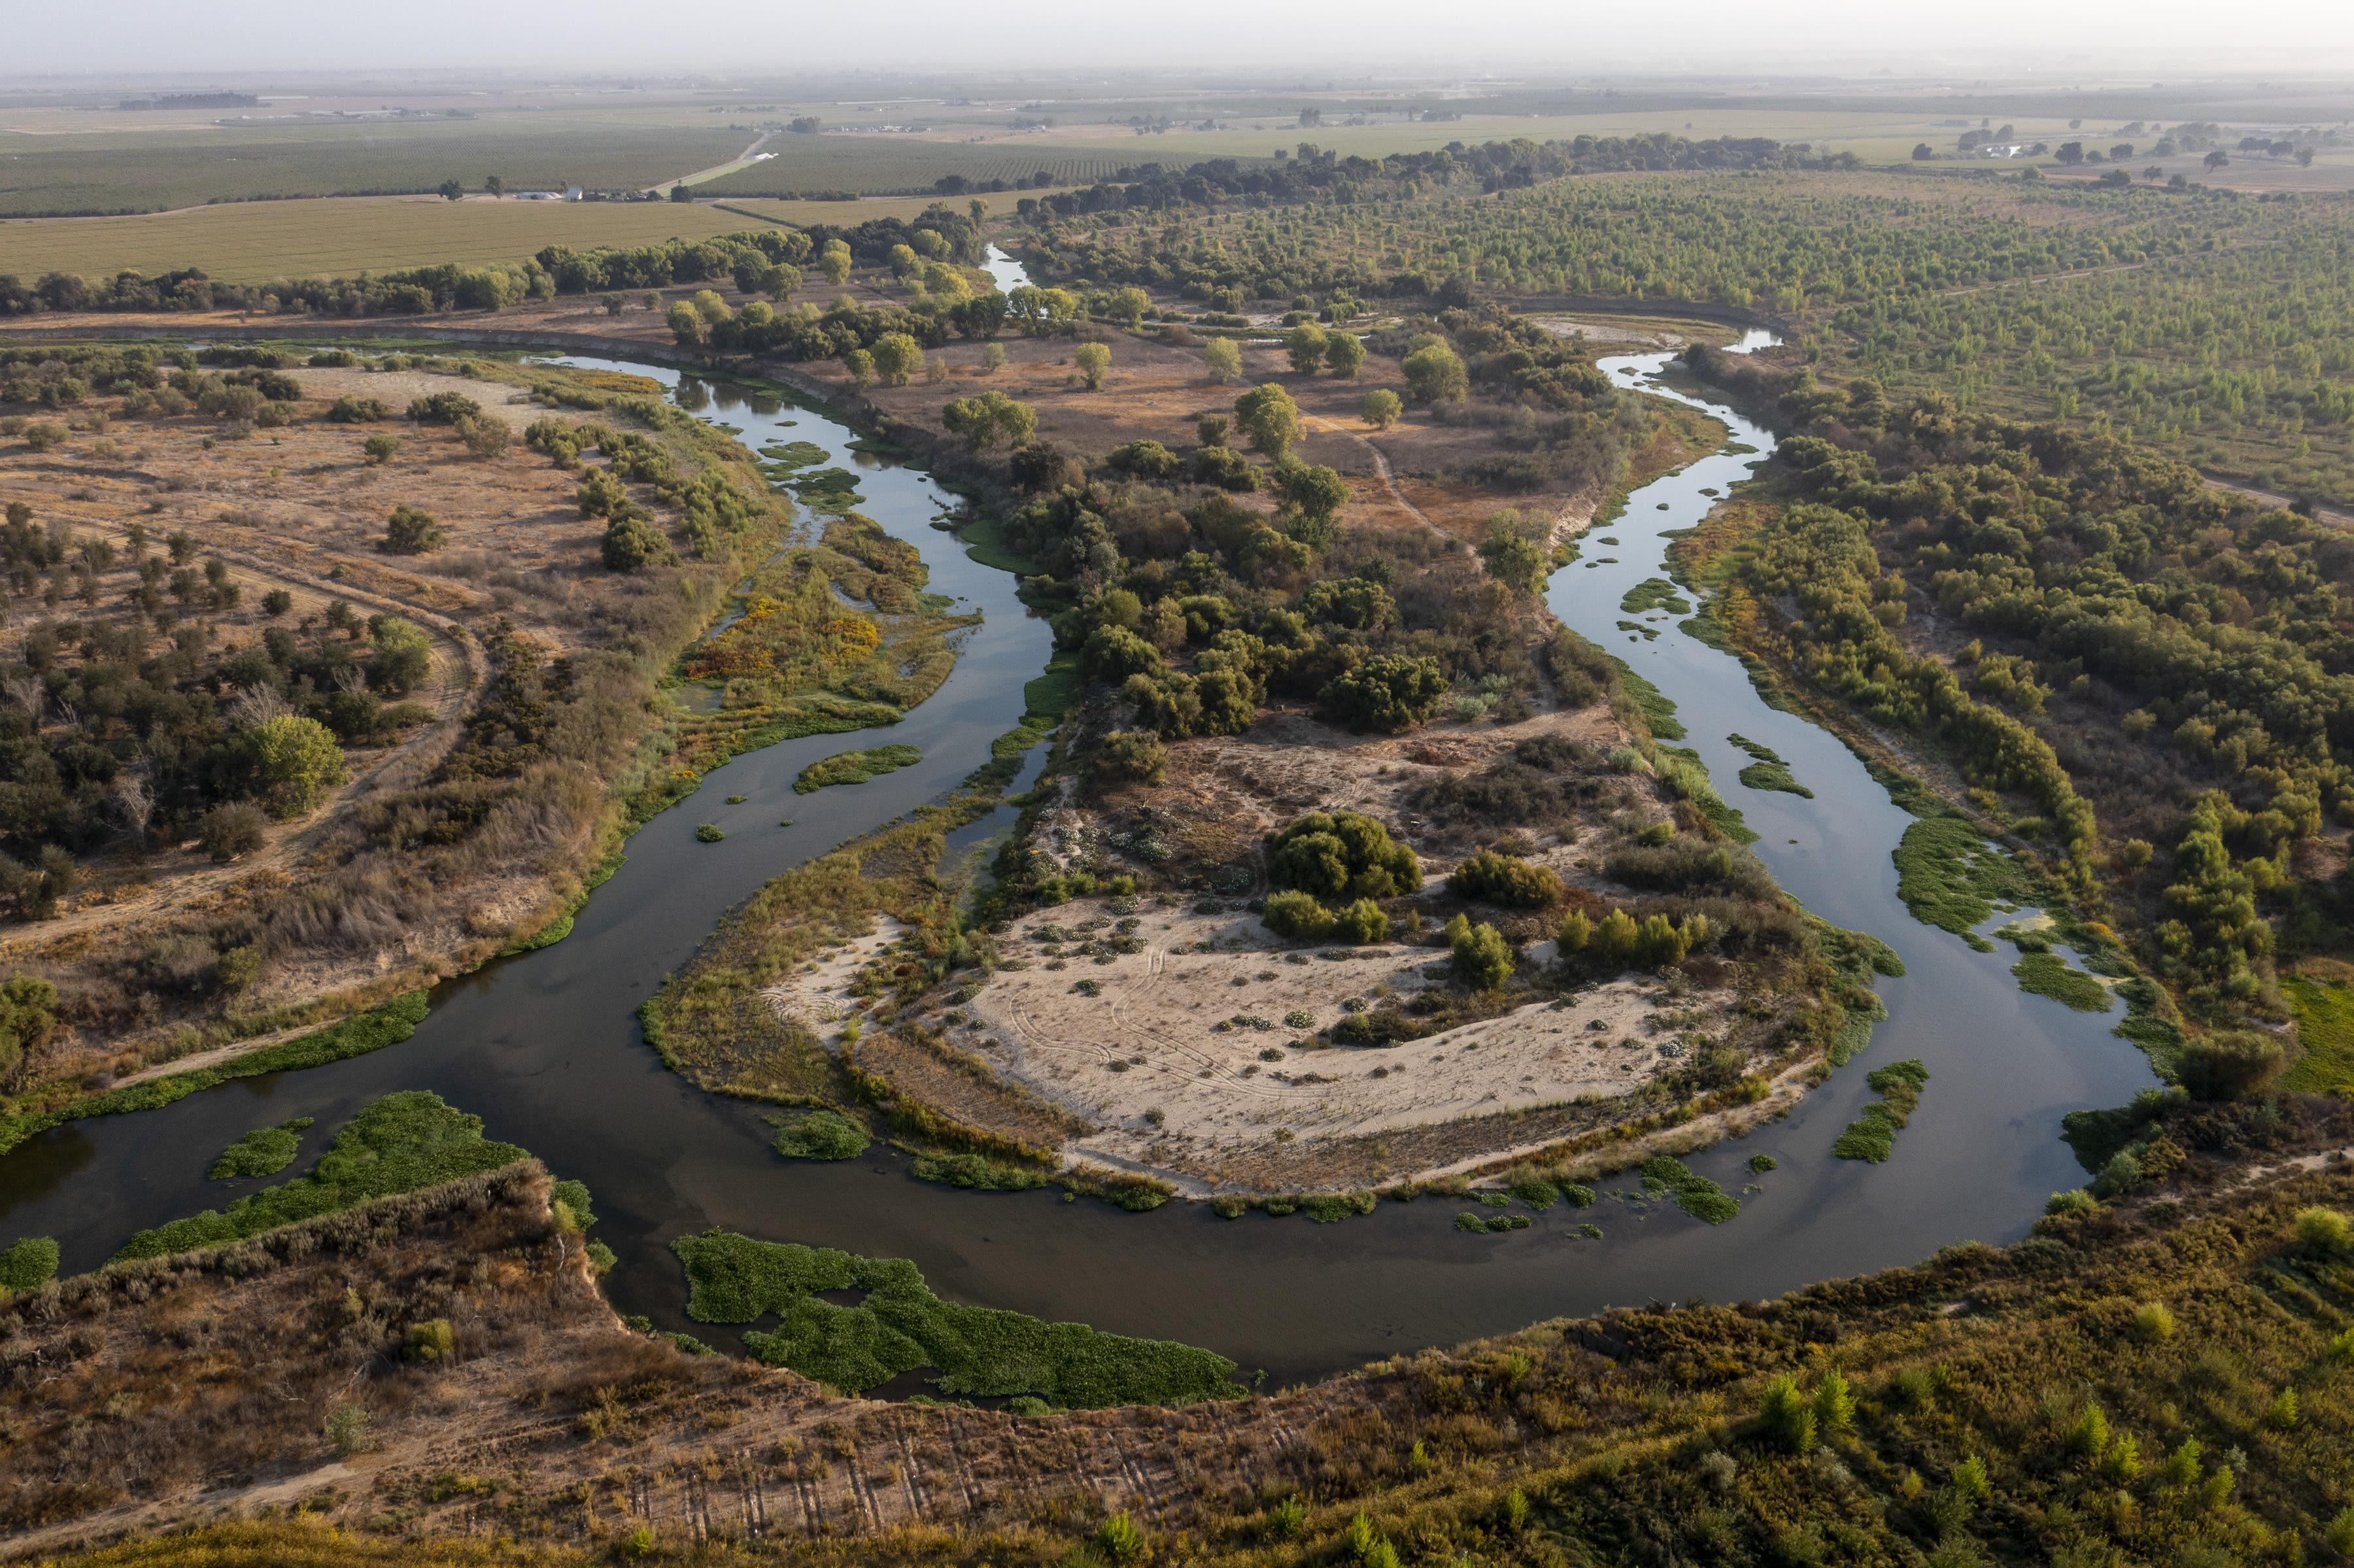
(545, 1047)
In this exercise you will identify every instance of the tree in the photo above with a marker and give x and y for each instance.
(1093, 360)
(2071, 153)
(687, 324)
(410, 532)
(981, 316)
(1923, 152)
(681, 193)
(992, 358)
(711, 307)
(1512, 554)
(495, 185)
(896, 356)
(2305, 157)
(1381, 409)
(277, 602)
(1483, 960)
(1304, 345)
(404, 655)
(379, 450)
(27, 1018)
(295, 761)
(861, 366)
(780, 282)
(452, 190)
(1222, 359)
(1129, 305)
(632, 541)
(1269, 417)
(1317, 491)
(834, 262)
(1434, 375)
(983, 420)
(1344, 352)
(1341, 854)
(2218, 159)
(487, 437)
(1042, 312)
(1390, 692)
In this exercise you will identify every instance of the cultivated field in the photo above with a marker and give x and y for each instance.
(261, 241)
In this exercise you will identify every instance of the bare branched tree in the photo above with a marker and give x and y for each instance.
(351, 678)
(256, 705)
(136, 801)
(27, 692)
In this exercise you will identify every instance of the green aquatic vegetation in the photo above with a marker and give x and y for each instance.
(396, 1144)
(821, 1135)
(264, 1151)
(900, 1325)
(1590, 1231)
(2048, 974)
(387, 1025)
(1654, 593)
(1950, 877)
(856, 766)
(31, 1263)
(976, 1173)
(2325, 1028)
(1762, 1163)
(710, 833)
(1873, 1136)
(1331, 1208)
(791, 455)
(1649, 634)
(1695, 1196)
(1767, 770)
(1659, 709)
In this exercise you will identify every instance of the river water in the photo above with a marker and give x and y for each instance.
(545, 1047)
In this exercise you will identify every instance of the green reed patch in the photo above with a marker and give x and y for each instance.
(1873, 1136)
(2048, 974)
(977, 1173)
(856, 766)
(264, 1151)
(900, 1325)
(1950, 877)
(821, 1135)
(1654, 593)
(1695, 1196)
(1767, 770)
(397, 1144)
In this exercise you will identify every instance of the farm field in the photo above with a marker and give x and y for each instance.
(259, 241)
(64, 175)
(888, 164)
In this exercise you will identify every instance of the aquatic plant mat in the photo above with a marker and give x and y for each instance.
(900, 1326)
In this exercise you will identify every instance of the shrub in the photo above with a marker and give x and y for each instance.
(2154, 1321)
(1381, 409)
(230, 830)
(1133, 754)
(632, 541)
(295, 761)
(277, 602)
(821, 1135)
(379, 450)
(1361, 922)
(31, 1263)
(710, 833)
(351, 410)
(1297, 915)
(1342, 854)
(1505, 879)
(2231, 1065)
(1389, 691)
(347, 1431)
(1482, 958)
(2325, 1232)
(2075, 1201)
(1146, 459)
(410, 532)
(45, 437)
(1225, 468)
(1119, 1538)
(485, 438)
(430, 1341)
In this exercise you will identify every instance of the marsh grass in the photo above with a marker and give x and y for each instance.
(264, 1151)
(1695, 1196)
(977, 1172)
(1873, 1136)
(821, 1135)
(2325, 1028)
(1950, 877)
(397, 1144)
(2048, 975)
(856, 766)
(1766, 770)
(901, 1326)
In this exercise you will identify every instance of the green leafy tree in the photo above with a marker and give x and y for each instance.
(1381, 409)
(27, 1018)
(294, 762)
(1341, 854)
(1128, 307)
(1483, 960)
(982, 421)
(1434, 375)
(1318, 492)
(834, 262)
(404, 655)
(1222, 359)
(1093, 359)
(1390, 692)
(410, 532)
(1269, 417)
(1514, 556)
(452, 190)
(713, 309)
(897, 355)
(1305, 345)
(687, 324)
(1345, 353)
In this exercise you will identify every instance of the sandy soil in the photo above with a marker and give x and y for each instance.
(1152, 1040)
(818, 997)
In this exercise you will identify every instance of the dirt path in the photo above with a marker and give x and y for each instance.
(715, 170)
(1381, 466)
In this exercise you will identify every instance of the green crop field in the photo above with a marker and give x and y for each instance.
(259, 241)
(123, 173)
(882, 164)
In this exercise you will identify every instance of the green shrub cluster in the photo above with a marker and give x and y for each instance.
(1872, 1135)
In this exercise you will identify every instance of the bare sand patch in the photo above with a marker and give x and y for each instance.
(818, 997)
(1212, 1024)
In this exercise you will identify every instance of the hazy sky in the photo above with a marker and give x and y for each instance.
(1541, 37)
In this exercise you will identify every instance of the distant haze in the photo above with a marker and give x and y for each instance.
(2101, 41)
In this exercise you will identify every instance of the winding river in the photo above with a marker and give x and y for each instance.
(545, 1047)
